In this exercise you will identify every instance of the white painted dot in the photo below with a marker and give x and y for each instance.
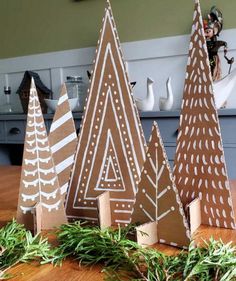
(85, 203)
(141, 206)
(144, 190)
(156, 144)
(101, 103)
(79, 199)
(116, 101)
(124, 132)
(145, 172)
(123, 205)
(115, 92)
(120, 117)
(172, 208)
(113, 85)
(109, 76)
(81, 191)
(103, 94)
(105, 84)
(117, 205)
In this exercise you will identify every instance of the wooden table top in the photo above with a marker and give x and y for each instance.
(70, 270)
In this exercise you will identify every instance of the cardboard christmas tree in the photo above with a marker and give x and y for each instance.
(63, 141)
(39, 188)
(157, 199)
(111, 147)
(199, 166)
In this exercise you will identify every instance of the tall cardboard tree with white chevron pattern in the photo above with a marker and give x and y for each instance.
(39, 182)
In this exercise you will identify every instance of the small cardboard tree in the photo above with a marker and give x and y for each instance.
(157, 199)
(63, 141)
(40, 202)
(111, 147)
(199, 166)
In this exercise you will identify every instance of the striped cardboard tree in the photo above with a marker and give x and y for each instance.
(63, 141)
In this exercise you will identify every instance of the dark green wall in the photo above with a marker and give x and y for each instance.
(38, 26)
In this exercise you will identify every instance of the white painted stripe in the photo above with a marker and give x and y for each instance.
(147, 214)
(162, 193)
(123, 221)
(163, 215)
(64, 164)
(62, 99)
(150, 199)
(123, 211)
(60, 121)
(63, 142)
(63, 189)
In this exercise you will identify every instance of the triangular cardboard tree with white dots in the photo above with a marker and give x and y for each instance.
(199, 166)
(111, 148)
(39, 182)
(158, 199)
(63, 140)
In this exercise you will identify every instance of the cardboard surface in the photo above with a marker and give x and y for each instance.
(37, 214)
(39, 183)
(111, 148)
(157, 198)
(195, 219)
(147, 234)
(199, 166)
(104, 209)
(63, 141)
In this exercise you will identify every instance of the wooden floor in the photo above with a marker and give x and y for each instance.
(70, 270)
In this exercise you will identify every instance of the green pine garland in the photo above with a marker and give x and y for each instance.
(123, 259)
(126, 260)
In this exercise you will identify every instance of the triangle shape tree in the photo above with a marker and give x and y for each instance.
(63, 140)
(111, 132)
(158, 199)
(39, 182)
(199, 166)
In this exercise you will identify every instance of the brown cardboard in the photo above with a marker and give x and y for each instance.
(39, 183)
(63, 141)
(199, 166)
(147, 234)
(111, 147)
(158, 199)
(194, 214)
(104, 209)
(37, 214)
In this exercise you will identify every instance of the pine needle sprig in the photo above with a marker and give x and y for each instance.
(126, 260)
(18, 245)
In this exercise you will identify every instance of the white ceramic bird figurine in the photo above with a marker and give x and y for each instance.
(167, 103)
(147, 103)
(223, 88)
